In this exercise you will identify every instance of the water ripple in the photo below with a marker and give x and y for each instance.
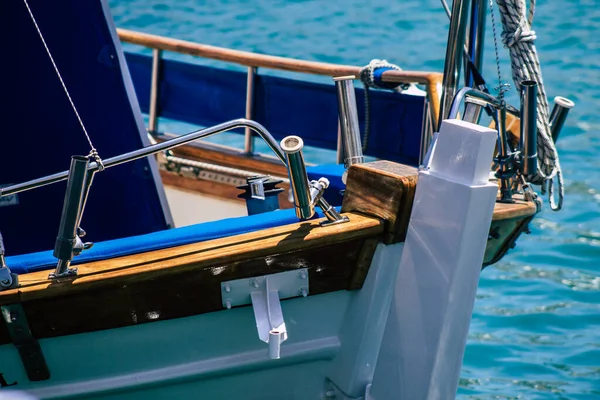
(535, 332)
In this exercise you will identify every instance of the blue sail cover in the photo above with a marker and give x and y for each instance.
(40, 132)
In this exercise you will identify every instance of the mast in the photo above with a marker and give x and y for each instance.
(454, 59)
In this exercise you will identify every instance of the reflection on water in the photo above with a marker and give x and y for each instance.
(535, 331)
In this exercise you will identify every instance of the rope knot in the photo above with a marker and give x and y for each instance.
(520, 35)
(371, 75)
(94, 154)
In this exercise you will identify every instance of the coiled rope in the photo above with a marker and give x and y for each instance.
(518, 37)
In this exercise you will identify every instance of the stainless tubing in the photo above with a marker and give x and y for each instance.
(155, 148)
(71, 213)
(426, 132)
(481, 98)
(476, 36)
(153, 112)
(454, 53)
(86, 191)
(348, 116)
(248, 138)
(528, 139)
(503, 156)
(472, 113)
(503, 148)
(562, 105)
(339, 154)
(292, 147)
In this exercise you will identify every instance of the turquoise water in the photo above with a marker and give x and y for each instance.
(535, 332)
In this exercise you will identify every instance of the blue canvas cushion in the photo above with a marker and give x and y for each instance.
(32, 262)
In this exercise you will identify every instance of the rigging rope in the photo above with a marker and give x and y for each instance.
(93, 152)
(519, 38)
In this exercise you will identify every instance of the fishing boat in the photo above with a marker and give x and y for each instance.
(278, 278)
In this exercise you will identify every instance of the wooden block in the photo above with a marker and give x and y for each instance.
(385, 190)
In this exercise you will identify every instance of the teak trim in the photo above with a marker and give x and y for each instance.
(198, 256)
(431, 80)
(383, 189)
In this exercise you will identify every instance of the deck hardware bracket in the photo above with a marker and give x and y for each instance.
(8, 280)
(28, 347)
(265, 293)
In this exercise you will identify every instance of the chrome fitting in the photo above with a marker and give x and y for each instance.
(306, 194)
(562, 105)
(528, 134)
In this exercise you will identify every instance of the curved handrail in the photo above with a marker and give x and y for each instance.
(152, 149)
(430, 79)
(467, 92)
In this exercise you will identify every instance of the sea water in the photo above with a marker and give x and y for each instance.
(535, 332)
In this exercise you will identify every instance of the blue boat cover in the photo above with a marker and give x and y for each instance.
(41, 132)
(207, 96)
(158, 240)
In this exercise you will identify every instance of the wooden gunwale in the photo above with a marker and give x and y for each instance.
(156, 264)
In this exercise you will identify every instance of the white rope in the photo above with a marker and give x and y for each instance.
(518, 37)
(93, 151)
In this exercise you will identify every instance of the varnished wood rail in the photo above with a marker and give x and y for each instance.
(185, 280)
(431, 80)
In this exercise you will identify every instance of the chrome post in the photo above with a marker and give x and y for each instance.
(348, 117)
(504, 157)
(454, 52)
(307, 194)
(340, 146)
(292, 147)
(68, 242)
(426, 131)
(472, 113)
(528, 137)
(562, 105)
(476, 38)
(153, 112)
(248, 136)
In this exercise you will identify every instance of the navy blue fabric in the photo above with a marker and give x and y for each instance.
(207, 96)
(40, 131)
(158, 240)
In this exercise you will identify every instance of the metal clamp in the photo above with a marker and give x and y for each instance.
(264, 293)
(307, 195)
